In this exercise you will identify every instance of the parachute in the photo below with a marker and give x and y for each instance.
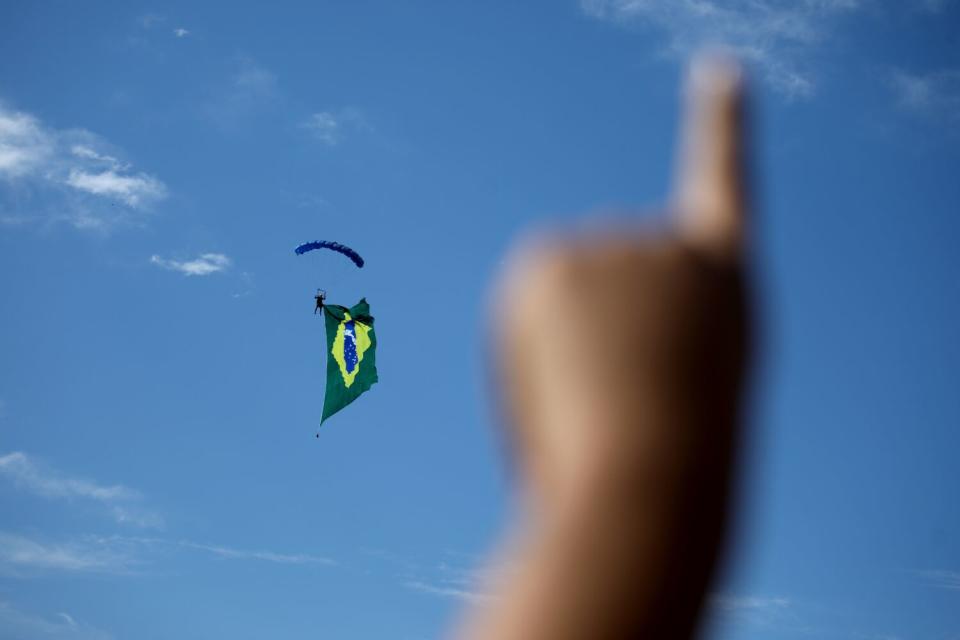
(333, 246)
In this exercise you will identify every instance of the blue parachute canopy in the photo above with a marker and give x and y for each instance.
(333, 246)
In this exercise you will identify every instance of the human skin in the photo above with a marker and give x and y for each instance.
(621, 362)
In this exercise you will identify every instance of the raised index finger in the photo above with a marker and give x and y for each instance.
(710, 192)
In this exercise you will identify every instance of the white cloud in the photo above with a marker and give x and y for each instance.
(309, 201)
(935, 93)
(118, 554)
(254, 78)
(104, 175)
(24, 145)
(136, 517)
(776, 35)
(115, 554)
(465, 577)
(180, 32)
(68, 172)
(329, 127)
(30, 476)
(66, 617)
(19, 553)
(755, 611)
(446, 591)
(203, 265)
(267, 556)
(19, 624)
(149, 20)
(324, 126)
(748, 603)
(942, 578)
(132, 190)
(934, 6)
(83, 151)
(250, 91)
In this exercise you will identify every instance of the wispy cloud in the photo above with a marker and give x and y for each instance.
(446, 591)
(266, 556)
(150, 20)
(83, 151)
(781, 617)
(247, 286)
(72, 172)
(941, 578)
(324, 126)
(748, 603)
(66, 617)
(253, 79)
(330, 127)
(203, 265)
(132, 190)
(755, 611)
(17, 623)
(47, 483)
(933, 6)
(778, 37)
(22, 553)
(461, 576)
(250, 90)
(24, 145)
(41, 480)
(180, 32)
(309, 201)
(934, 93)
(118, 554)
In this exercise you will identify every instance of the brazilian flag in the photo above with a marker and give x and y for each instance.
(351, 355)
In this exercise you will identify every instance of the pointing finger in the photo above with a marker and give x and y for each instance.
(710, 198)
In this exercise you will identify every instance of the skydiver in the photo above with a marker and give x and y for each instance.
(320, 297)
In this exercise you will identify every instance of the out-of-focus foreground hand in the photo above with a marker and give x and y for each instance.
(622, 356)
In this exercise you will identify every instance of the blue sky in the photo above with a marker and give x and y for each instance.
(162, 374)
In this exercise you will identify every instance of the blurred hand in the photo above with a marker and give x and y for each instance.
(621, 359)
